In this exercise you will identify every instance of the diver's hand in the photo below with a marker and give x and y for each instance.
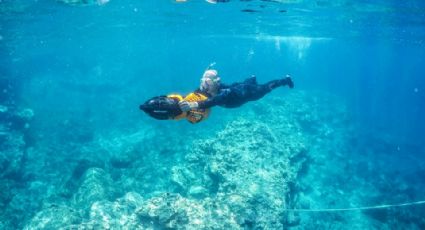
(186, 105)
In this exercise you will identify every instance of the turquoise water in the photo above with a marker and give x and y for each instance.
(77, 153)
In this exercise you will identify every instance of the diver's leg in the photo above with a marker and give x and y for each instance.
(256, 91)
(251, 91)
(281, 82)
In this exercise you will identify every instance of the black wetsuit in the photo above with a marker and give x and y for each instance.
(237, 94)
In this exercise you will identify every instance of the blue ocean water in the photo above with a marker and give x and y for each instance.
(76, 151)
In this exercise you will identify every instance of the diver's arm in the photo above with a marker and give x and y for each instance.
(186, 105)
(207, 103)
(218, 99)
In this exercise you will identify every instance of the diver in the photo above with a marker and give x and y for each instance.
(195, 107)
(230, 96)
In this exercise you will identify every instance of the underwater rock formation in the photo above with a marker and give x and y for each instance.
(176, 212)
(96, 186)
(245, 169)
(12, 148)
(16, 194)
(55, 217)
(112, 215)
(236, 178)
(240, 173)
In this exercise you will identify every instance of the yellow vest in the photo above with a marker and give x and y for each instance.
(194, 115)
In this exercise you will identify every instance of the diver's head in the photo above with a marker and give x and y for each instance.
(210, 82)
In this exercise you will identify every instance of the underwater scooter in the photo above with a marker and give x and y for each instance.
(162, 108)
(167, 107)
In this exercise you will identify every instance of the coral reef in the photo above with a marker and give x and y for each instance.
(15, 198)
(245, 169)
(237, 177)
(241, 172)
(54, 217)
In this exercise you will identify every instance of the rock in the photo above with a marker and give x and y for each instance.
(25, 114)
(96, 186)
(12, 156)
(198, 192)
(176, 212)
(182, 177)
(244, 170)
(54, 217)
(115, 215)
(25, 203)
